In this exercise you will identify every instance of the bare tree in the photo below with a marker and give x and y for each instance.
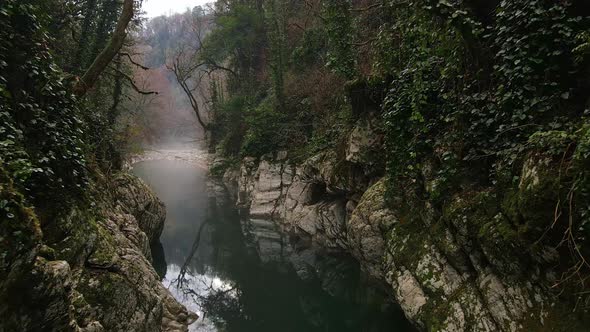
(189, 77)
(191, 70)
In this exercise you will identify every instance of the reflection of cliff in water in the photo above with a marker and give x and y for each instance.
(159, 258)
(278, 286)
(243, 275)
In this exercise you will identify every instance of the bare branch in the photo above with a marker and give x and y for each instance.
(132, 83)
(181, 78)
(134, 62)
(370, 7)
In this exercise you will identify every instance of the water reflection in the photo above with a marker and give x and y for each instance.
(243, 275)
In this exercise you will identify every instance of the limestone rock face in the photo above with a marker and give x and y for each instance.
(459, 268)
(267, 196)
(230, 181)
(443, 274)
(364, 140)
(435, 283)
(279, 191)
(367, 229)
(246, 181)
(91, 271)
(125, 293)
(268, 240)
(134, 197)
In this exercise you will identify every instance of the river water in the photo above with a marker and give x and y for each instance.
(242, 275)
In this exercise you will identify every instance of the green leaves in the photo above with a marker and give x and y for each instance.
(339, 27)
(238, 36)
(425, 69)
(41, 131)
(472, 91)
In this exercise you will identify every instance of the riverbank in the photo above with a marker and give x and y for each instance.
(448, 273)
(188, 154)
(90, 269)
(244, 274)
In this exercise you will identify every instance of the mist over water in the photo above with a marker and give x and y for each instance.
(238, 274)
(218, 266)
(182, 187)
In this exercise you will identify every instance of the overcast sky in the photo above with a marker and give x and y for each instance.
(154, 8)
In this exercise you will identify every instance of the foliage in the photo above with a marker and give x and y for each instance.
(339, 31)
(310, 50)
(419, 103)
(266, 129)
(470, 101)
(490, 110)
(229, 124)
(283, 103)
(22, 227)
(239, 37)
(469, 92)
(42, 132)
(47, 134)
(276, 13)
(534, 71)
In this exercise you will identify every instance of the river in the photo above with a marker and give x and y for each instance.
(242, 275)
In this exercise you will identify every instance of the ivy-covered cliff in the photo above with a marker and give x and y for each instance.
(75, 231)
(442, 143)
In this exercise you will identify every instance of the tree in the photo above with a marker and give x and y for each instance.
(191, 64)
(108, 53)
(183, 62)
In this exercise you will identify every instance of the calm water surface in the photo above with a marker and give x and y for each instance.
(242, 275)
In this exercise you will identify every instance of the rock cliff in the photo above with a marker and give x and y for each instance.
(461, 269)
(89, 268)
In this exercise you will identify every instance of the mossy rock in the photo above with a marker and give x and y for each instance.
(20, 232)
(73, 236)
(117, 302)
(538, 194)
(481, 224)
(407, 241)
(104, 254)
(112, 297)
(101, 287)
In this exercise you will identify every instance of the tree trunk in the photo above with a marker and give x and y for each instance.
(106, 56)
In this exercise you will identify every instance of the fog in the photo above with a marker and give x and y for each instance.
(153, 8)
(162, 116)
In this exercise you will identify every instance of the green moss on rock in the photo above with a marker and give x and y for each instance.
(104, 252)
(72, 235)
(20, 231)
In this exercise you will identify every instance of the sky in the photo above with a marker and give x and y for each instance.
(154, 8)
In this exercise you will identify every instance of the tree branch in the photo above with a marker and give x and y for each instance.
(215, 66)
(134, 62)
(106, 56)
(181, 79)
(132, 82)
(369, 7)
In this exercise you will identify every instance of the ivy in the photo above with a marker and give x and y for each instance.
(425, 86)
(41, 127)
(533, 67)
(440, 100)
(339, 27)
